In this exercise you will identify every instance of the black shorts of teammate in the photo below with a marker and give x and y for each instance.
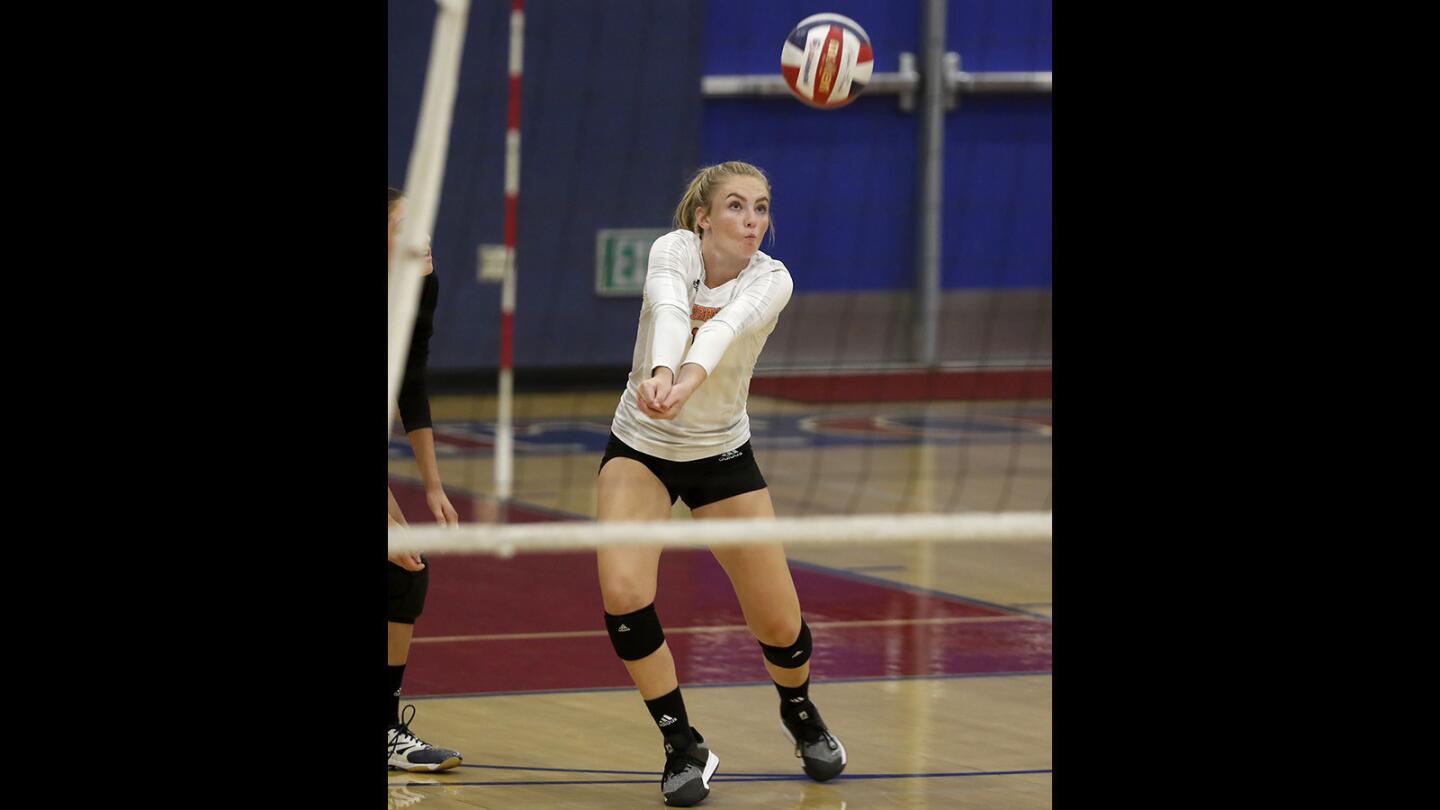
(407, 592)
(700, 482)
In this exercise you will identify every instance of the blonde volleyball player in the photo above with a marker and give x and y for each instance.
(409, 574)
(681, 431)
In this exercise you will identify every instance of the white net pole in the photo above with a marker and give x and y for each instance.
(422, 180)
(480, 538)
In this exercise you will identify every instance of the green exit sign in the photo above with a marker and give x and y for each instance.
(621, 256)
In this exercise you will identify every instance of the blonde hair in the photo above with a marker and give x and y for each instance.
(703, 184)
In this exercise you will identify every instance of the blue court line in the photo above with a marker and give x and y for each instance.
(564, 770)
(727, 685)
(737, 778)
(653, 774)
(740, 776)
(890, 583)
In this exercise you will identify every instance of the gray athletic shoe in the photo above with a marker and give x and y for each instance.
(821, 752)
(689, 764)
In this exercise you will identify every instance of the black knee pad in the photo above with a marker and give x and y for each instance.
(407, 592)
(635, 635)
(795, 655)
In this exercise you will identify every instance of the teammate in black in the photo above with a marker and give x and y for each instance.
(409, 573)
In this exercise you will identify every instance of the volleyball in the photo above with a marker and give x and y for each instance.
(827, 60)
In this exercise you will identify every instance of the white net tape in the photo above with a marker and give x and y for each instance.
(506, 540)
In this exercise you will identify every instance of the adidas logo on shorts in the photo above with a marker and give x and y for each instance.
(726, 456)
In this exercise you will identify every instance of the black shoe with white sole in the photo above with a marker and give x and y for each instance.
(689, 764)
(822, 754)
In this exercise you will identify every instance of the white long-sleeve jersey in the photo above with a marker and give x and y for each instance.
(722, 329)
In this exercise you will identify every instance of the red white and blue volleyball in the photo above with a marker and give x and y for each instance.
(827, 60)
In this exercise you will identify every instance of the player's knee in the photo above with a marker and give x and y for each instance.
(776, 631)
(636, 634)
(625, 594)
(791, 656)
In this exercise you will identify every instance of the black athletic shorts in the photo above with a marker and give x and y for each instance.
(407, 592)
(702, 481)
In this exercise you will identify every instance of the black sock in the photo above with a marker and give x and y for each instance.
(394, 675)
(794, 698)
(668, 710)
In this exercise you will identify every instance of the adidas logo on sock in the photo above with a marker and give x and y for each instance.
(623, 629)
(797, 700)
(665, 720)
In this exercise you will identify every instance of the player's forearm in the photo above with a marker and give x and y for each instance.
(669, 335)
(422, 444)
(692, 375)
(395, 513)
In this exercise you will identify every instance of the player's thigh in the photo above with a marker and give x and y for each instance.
(759, 572)
(628, 491)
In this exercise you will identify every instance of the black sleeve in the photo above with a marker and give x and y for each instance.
(414, 399)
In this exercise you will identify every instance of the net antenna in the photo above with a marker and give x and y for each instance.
(423, 179)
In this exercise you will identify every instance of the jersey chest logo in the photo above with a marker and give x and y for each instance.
(701, 314)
